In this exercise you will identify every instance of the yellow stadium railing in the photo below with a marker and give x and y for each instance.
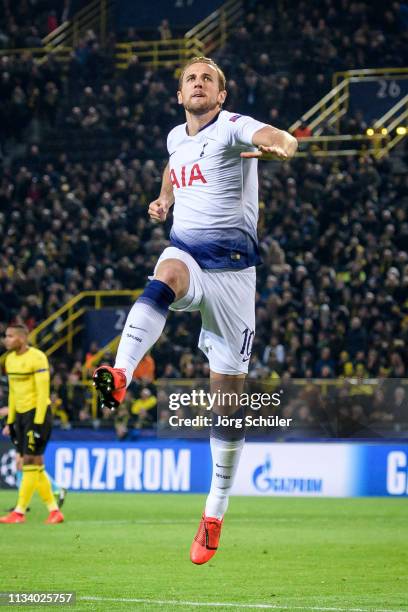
(369, 73)
(154, 53)
(213, 31)
(60, 329)
(378, 141)
(394, 125)
(327, 111)
(205, 37)
(341, 145)
(334, 105)
(386, 133)
(39, 54)
(61, 42)
(158, 53)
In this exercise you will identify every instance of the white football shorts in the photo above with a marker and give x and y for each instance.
(226, 300)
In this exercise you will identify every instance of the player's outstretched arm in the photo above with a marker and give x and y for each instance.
(272, 144)
(159, 208)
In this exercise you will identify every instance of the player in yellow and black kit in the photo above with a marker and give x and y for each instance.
(29, 420)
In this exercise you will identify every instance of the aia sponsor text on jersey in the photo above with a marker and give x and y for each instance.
(185, 177)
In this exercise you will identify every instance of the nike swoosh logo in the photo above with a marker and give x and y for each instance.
(136, 327)
(222, 466)
(246, 359)
(172, 154)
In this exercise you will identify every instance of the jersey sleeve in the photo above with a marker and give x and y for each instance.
(170, 140)
(11, 417)
(238, 130)
(42, 386)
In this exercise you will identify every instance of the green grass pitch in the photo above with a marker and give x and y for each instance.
(131, 552)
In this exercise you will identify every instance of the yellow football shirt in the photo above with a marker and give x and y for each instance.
(29, 383)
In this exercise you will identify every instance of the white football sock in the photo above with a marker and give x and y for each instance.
(143, 328)
(225, 457)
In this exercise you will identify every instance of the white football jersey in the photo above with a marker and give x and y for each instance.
(216, 192)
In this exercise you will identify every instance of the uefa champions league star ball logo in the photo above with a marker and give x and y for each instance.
(8, 468)
(262, 476)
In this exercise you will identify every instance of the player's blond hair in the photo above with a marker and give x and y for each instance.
(200, 59)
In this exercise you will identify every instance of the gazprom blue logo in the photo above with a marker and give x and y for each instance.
(264, 481)
(397, 473)
(261, 477)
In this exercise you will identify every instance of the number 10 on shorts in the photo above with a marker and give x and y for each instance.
(247, 344)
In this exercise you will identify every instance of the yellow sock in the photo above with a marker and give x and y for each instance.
(45, 490)
(28, 485)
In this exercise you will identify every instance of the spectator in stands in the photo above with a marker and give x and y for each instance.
(164, 30)
(144, 409)
(52, 21)
(303, 131)
(122, 417)
(145, 371)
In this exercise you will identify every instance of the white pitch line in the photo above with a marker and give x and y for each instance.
(219, 604)
(163, 522)
(130, 522)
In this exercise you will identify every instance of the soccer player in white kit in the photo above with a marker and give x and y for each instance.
(211, 178)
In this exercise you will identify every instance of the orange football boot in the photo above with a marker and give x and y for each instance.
(13, 517)
(111, 384)
(206, 540)
(54, 517)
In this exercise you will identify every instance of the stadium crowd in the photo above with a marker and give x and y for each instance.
(24, 24)
(333, 289)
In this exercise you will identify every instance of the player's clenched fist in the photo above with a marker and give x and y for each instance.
(158, 209)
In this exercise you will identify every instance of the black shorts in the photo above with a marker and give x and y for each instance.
(24, 424)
